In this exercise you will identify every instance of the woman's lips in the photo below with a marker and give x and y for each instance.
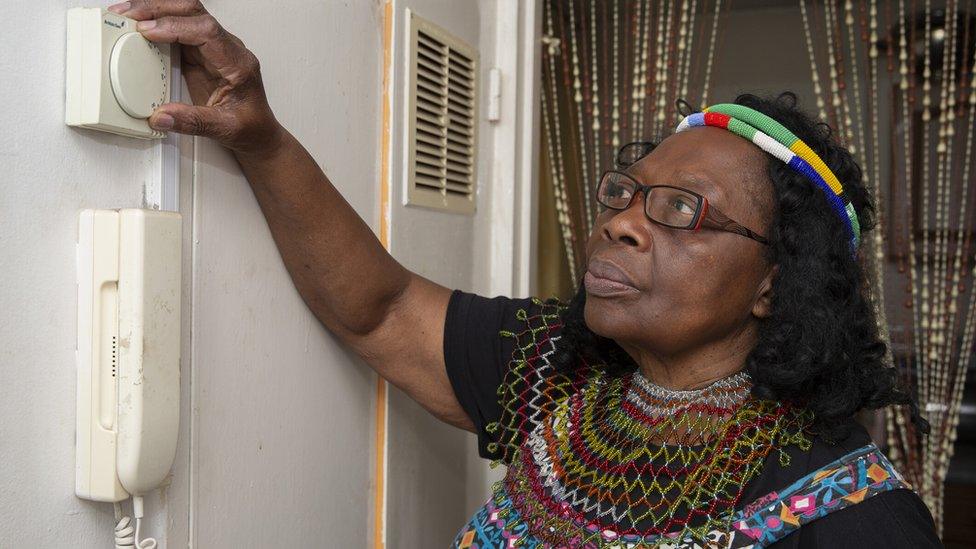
(605, 279)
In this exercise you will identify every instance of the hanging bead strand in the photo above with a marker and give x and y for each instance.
(550, 119)
(595, 89)
(943, 191)
(879, 244)
(662, 68)
(686, 73)
(615, 32)
(815, 74)
(587, 206)
(861, 151)
(923, 353)
(636, 83)
(946, 302)
(907, 92)
(844, 119)
(644, 79)
(586, 86)
(706, 86)
(680, 56)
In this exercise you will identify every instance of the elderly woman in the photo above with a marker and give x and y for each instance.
(698, 391)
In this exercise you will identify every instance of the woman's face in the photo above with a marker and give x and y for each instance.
(687, 289)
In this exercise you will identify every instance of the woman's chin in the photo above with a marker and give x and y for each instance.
(605, 318)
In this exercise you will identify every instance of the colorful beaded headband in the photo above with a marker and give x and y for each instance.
(772, 137)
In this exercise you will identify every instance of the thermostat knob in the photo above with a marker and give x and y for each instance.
(138, 70)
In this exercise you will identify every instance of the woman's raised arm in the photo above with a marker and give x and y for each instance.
(390, 316)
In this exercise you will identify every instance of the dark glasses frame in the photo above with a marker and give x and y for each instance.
(706, 215)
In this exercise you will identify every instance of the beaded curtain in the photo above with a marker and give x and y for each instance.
(612, 70)
(895, 81)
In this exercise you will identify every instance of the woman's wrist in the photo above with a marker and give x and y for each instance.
(268, 144)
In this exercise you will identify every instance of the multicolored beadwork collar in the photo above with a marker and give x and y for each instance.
(772, 137)
(591, 455)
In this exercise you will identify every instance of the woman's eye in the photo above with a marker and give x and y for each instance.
(619, 191)
(682, 206)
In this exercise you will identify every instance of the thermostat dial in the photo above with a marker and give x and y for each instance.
(138, 72)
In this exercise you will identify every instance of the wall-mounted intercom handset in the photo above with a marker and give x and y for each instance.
(129, 268)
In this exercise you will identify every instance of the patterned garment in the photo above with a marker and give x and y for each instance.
(848, 481)
(851, 479)
(585, 469)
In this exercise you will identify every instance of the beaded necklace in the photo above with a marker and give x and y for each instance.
(595, 459)
(692, 415)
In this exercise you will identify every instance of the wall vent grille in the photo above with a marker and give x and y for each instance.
(443, 114)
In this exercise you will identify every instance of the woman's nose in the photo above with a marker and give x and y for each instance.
(629, 226)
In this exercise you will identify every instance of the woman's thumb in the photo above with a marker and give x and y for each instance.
(191, 120)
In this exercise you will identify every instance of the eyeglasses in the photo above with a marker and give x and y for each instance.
(666, 205)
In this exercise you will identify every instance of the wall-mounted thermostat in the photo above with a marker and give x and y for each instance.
(115, 77)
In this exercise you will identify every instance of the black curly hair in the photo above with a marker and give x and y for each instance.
(820, 346)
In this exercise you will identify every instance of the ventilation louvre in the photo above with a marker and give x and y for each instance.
(443, 115)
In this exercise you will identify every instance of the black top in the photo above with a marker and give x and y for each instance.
(477, 358)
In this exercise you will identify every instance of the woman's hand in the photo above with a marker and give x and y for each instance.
(223, 76)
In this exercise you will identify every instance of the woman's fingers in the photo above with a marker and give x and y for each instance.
(222, 75)
(154, 9)
(194, 120)
(220, 52)
(195, 30)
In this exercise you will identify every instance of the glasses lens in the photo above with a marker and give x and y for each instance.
(616, 191)
(672, 207)
(632, 152)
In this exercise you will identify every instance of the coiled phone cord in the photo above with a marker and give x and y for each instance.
(125, 536)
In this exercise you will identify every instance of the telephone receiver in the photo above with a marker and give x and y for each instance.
(128, 354)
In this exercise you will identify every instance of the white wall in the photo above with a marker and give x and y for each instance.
(281, 430)
(276, 444)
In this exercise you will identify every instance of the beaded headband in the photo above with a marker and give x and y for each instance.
(772, 137)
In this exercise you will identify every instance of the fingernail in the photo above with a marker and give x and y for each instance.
(162, 121)
(120, 8)
(145, 25)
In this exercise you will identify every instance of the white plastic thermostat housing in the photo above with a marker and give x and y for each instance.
(115, 77)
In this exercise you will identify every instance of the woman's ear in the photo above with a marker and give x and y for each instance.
(764, 299)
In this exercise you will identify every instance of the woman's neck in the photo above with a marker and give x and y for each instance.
(693, 368)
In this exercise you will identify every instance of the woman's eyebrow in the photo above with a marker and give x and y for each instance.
(690, 177)
(703, 185)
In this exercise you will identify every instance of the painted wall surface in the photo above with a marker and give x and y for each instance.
(281, 426)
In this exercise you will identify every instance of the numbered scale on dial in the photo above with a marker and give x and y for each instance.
(139, 75)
